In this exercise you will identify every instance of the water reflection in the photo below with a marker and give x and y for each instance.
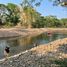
(21, 44)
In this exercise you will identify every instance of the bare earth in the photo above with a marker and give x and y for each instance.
(13, 32)
(40, 56)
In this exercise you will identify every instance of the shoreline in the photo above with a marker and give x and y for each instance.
(52, 46)
(16, 32)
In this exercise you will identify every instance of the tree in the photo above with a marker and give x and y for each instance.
(39, 23)
(3, 12)
(9, 14)
(64, 22)
(60, 2)
(28, 11)
(14, 13)
(52, 21)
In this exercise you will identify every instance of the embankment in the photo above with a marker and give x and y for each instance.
(14, 32)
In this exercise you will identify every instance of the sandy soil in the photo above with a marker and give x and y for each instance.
(13, 32)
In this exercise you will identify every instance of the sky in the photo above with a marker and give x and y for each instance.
(46, 8)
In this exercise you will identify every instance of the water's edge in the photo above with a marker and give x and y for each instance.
(15, 32)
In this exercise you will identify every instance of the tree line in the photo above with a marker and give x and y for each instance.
(26, 16)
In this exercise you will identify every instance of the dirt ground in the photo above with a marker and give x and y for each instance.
(13, 32)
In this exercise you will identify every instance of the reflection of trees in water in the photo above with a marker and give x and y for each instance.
(21, 43)
(25, 41)
(13, 43)
(44, 37)
(14, 46)
(28, 41)
(3, 44)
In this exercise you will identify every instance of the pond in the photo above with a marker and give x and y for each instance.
(20, 44)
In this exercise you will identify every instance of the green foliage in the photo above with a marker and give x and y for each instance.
(64, 22)
(14, 13)
(10, 15)
(31, 3)
(60, 2)
(8, 24)
(61, 63)
(39, 23)
(48, 21)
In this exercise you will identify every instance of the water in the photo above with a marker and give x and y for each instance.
(20, 44)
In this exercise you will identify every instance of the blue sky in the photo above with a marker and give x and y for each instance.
(46, 8)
